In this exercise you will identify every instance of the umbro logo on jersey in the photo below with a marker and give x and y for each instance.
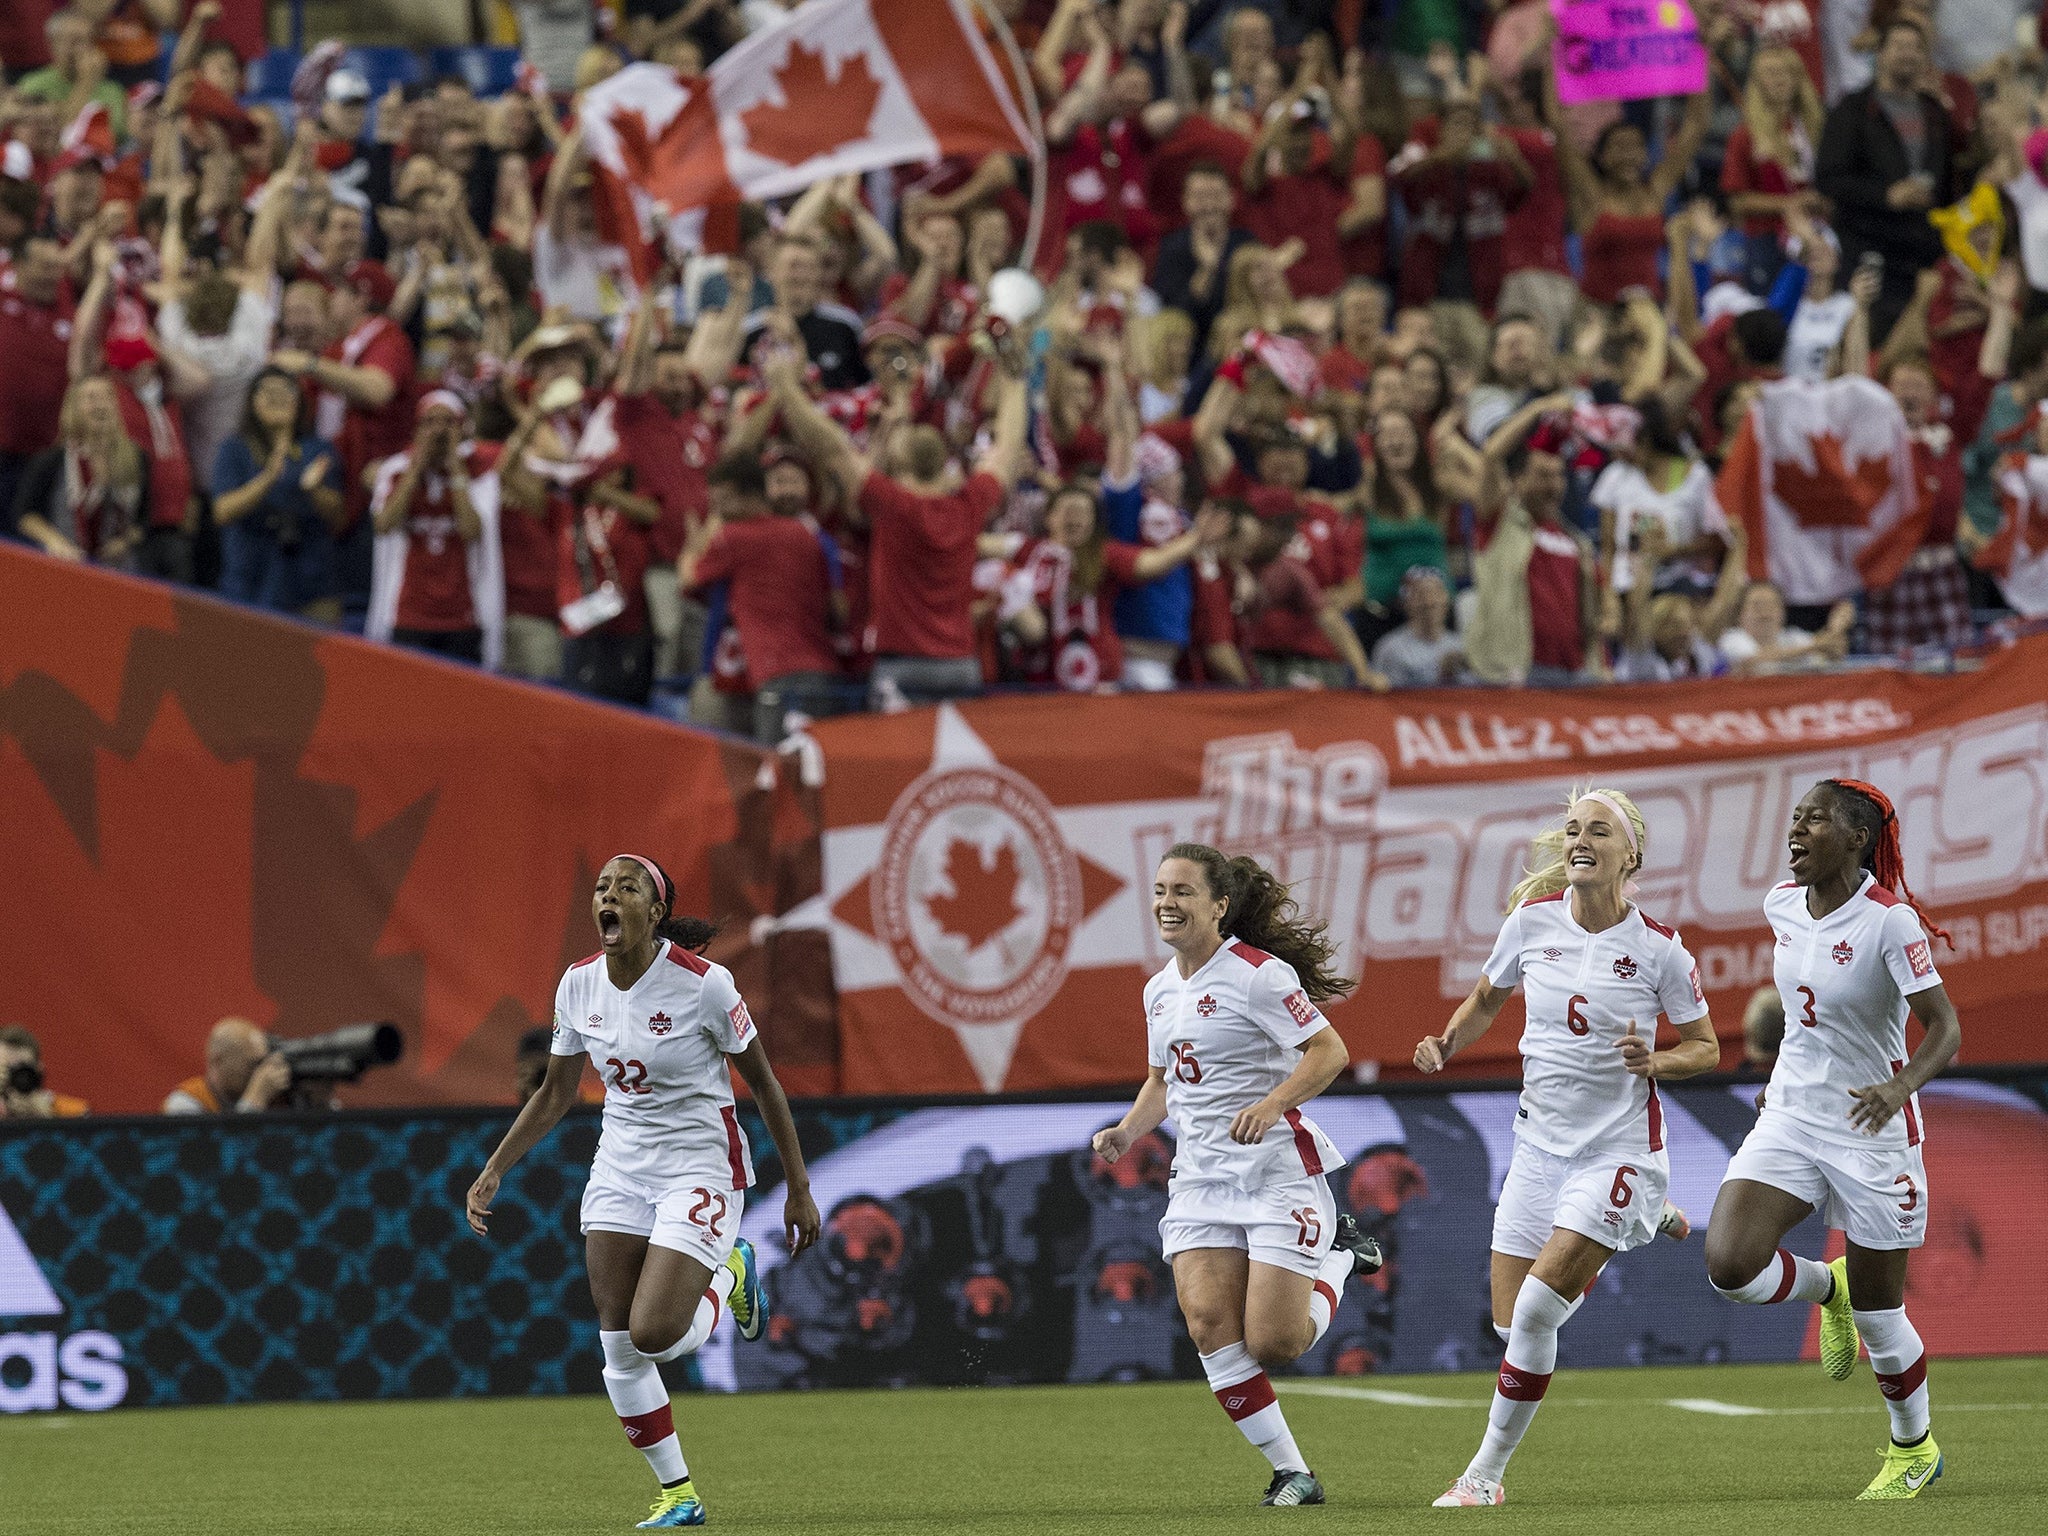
(661, 1024)
(1158, 1006)
(1625, 968)
(1553, 954)
(1843, 953)
(1207, 1006)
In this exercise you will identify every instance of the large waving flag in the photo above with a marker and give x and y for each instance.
(1821, 478)
(842, 86)
(2018, 554)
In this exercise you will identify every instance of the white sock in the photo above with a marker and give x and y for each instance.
(1328, 1294)
(1247, 1396)
(1900, 1361)
(1504, 1329)
(1788, 1277)
(700, 1329)
(1525, 1373)
(640, 1399)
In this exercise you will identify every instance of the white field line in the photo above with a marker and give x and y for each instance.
(1706, 1405)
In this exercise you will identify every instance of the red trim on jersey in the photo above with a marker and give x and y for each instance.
(1881, 896)
(589, 960)
(1656, 1120)
(1251, 957)
(1785, 1281)
(1322, 1289)
(689, 960)
(1906, 1382)
(645, 1429)
(733, 1153)
(1912, 1114)
(1520, 1386)
(1305, 1144)
(1654, 926)
(1789, 885)
(1243, 1399)
(1537, 901)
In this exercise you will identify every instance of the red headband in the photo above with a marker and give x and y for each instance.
(661, 886)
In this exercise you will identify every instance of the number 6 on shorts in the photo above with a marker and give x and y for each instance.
(1621, 1194)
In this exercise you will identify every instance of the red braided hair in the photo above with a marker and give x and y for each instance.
(1887, 863)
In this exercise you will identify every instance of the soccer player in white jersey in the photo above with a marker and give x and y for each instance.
(661, 1213)
(1236, 1045)
(1589, 1170)
(1840, 1127)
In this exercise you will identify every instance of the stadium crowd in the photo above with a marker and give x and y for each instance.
(1362, 359)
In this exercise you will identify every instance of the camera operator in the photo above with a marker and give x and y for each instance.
(22, 1094)
(244, 1074)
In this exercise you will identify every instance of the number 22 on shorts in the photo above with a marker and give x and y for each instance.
(707, 1199)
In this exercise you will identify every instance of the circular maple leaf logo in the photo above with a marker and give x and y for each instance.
(976, 894)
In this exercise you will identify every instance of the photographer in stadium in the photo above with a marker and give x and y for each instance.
(244, 1074)
(23, 1095)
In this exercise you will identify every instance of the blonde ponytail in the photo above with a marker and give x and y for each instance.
(1548, 873)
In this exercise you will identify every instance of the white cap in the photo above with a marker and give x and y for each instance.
(347, 85)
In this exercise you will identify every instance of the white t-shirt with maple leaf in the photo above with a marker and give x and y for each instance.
(1226, 1037)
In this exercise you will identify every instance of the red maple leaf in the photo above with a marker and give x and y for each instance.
(1832, 495)
(984, 900)
(817, 114)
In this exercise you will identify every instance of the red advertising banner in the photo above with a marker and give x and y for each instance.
(988, 868)
(210, 811)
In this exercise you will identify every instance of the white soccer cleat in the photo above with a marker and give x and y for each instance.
(1673, 1223)
(1470, 1490)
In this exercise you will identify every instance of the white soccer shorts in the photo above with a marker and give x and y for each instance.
(1289, 1226)
(1614, 1197)
(1876, 1194)
(702, 1222)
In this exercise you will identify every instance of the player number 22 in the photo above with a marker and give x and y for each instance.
(706, 1200)
(1310, 1225)
(638, 1083)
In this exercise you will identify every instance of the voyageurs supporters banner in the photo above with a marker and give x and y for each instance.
(988, 867)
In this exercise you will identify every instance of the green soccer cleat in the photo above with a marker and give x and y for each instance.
(1838, 1338)
(1291, 1488)
(749, 1305)
(1907, 1469)
(676, 1506)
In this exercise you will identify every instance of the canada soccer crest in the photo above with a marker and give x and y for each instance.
(1843, 953)
(1625, 968)
(1206, 1006)
(660, 1024)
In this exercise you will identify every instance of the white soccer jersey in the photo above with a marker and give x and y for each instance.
(1844, 980)
(669, 1121)
(1582, 989)
(1225, 1038)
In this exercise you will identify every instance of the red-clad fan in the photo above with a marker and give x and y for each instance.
(437, 580)
(781, 574)
(1840, 1126)
(35, 337)
(365, 385)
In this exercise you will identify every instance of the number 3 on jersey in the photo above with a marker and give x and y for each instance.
(1806, 1014)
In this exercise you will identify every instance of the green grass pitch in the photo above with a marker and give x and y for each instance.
(1747, 1450)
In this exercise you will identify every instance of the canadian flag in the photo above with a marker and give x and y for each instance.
(1821, 478)
(2018, 553)
(842, 86)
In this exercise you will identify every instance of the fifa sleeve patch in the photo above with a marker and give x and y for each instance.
(742, 1022)
(1920, 958)
(1298, 1005)
(556, 1027)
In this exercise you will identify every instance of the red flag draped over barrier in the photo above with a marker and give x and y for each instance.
(211, 811)
(988, 869)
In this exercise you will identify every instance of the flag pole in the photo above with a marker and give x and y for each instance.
(1028, 98)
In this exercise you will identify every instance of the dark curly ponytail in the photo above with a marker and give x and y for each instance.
(691, 933)
(1261, 912)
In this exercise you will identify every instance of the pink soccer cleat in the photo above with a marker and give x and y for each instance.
(1674, 1224)
(1471, 1491)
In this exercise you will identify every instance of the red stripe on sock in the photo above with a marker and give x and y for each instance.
(1906, 1383)
(713, 1295)
(1323, 1290)
(1785, 1283)
(645, 1429)
(1247, 1397)
(1519, 1386)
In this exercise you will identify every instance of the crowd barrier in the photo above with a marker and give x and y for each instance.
(312, 1258)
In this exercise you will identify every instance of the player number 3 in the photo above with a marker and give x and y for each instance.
(1806, 1014)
